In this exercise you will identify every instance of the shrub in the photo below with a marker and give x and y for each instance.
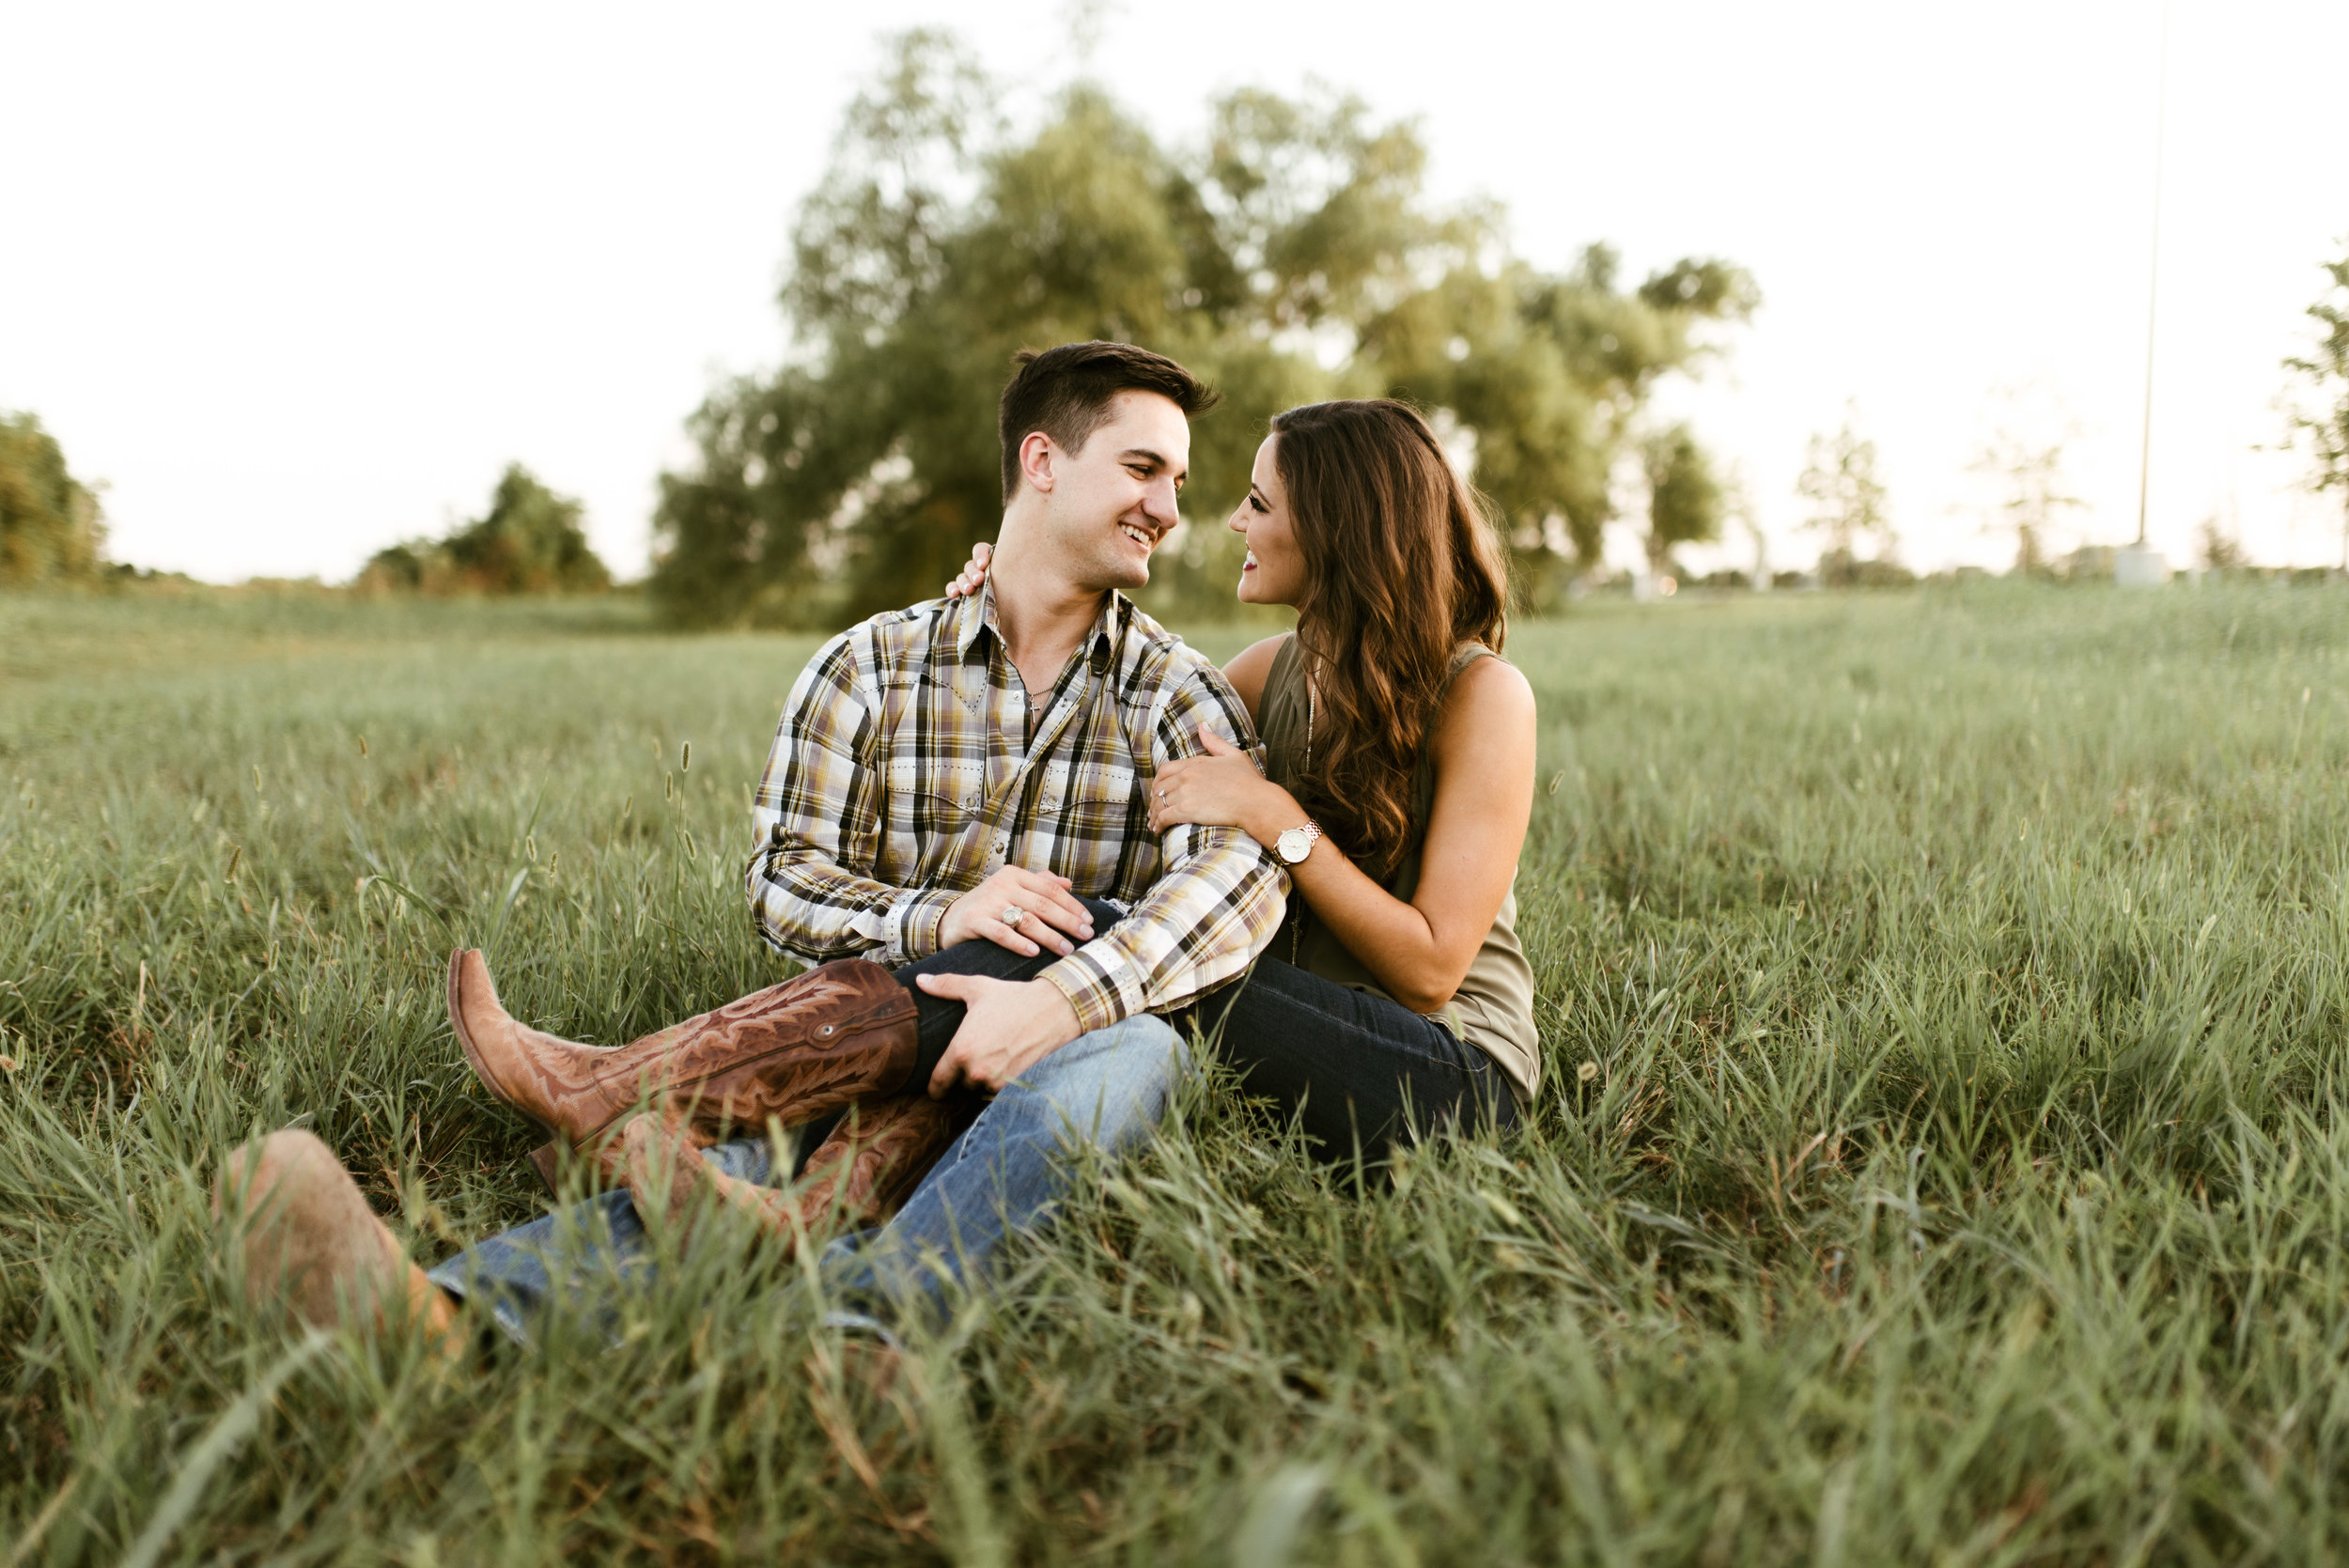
(529, 542)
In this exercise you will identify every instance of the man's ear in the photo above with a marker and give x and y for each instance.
(1038, 457)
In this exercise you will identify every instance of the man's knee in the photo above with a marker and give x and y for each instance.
(1111, 1086)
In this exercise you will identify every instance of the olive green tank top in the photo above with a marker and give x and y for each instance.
(1493, 1009)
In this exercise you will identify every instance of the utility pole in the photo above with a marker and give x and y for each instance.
(2140, 565)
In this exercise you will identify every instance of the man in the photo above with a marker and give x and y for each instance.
(957, 792)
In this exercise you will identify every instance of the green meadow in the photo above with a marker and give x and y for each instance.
(1942, 1156)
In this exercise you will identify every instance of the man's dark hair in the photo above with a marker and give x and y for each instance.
(1066, 393)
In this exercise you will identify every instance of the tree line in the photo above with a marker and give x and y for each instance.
(1291, 253)
(53, 532)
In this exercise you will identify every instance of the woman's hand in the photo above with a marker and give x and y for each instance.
(974, 572)
(1222, 789)
(1048, 914)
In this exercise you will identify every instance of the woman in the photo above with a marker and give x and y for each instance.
(1397, 784)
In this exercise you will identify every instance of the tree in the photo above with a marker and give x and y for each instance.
(1737, 507)
(1847, 501)
(2026, 461)
(1685, 501)
(2320, 420)
(1291, 254)
(51, 527)
(2219, 547)
(529, 542)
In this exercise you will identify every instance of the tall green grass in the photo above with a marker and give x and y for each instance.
(1941, 1156)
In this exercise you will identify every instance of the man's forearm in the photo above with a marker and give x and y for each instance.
(812, 908)
(1200, 924)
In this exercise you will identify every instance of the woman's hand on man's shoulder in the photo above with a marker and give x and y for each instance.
(974, 573)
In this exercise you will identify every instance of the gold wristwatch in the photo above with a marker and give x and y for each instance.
(1298, 842)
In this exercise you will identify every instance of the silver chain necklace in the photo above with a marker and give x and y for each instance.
(1297, 919)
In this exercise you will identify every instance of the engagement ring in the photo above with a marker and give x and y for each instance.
(1013, 914)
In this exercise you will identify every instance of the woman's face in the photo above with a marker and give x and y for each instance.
(1275, 571)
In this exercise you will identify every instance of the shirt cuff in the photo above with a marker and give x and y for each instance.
(914, 922)
(1094, 990)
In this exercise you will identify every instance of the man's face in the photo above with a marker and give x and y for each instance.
(1114, 502)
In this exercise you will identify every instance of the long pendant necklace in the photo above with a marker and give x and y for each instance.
(1296, 916)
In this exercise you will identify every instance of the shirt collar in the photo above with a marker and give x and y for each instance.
(1101, 643)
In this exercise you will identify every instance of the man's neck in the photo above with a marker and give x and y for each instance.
(1041, 614)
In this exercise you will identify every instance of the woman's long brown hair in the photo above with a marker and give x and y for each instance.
(1401, 567)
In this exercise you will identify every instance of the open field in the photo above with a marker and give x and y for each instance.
(1942, 1159)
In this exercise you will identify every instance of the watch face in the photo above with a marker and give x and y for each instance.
(1294, 845)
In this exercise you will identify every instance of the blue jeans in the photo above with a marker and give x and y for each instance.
(1106, 1090)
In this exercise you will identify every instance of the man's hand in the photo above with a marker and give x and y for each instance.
(1047, 911)
(1010, 1026)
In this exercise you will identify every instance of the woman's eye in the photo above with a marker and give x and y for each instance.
(1259, 507)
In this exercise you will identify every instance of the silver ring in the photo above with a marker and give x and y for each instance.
(1013, 914)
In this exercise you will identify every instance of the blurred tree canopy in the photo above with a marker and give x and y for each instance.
(529, 542)
(1685, 502)
(2320, 420)
(2035, 491)
(1292, 256)
(51, 527)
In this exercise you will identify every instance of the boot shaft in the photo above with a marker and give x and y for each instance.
(841, 1033)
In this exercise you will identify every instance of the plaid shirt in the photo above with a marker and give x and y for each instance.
(909, 766)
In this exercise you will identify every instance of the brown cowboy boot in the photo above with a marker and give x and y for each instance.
(313, 1247)
(869, 1166)
(840, 1032)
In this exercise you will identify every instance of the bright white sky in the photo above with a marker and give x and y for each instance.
(298, 280)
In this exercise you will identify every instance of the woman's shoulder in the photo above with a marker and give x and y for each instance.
(1487, 694)
(1252, 666)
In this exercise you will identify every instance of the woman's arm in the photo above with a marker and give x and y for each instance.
(1420, 951)
(1249, 670)
(1483, 750)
